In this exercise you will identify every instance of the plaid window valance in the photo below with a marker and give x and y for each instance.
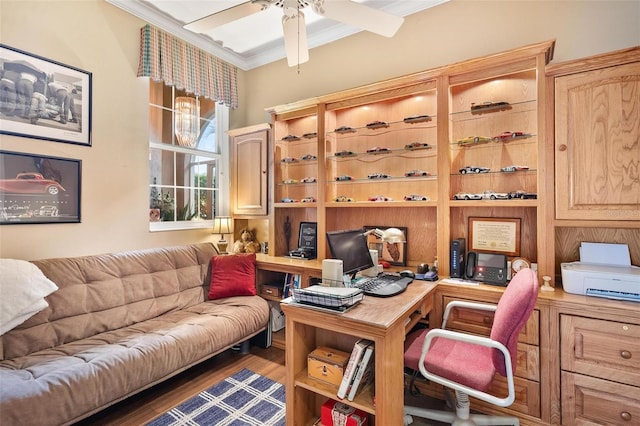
(164, 57)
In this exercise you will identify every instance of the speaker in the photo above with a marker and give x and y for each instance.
(332, 272)
(456, 258)
(373, 271)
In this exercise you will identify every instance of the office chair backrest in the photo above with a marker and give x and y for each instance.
(513, 311)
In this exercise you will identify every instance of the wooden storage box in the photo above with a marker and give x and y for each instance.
(327, 364)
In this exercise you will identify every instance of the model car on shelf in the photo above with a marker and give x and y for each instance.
(380, 198)
(417, 118)
(290, 138)
(30, 183)
(344, 153)
(492, 195)
(417, 145)
(509, 135)
(345, 129)
(288, 160)
(308, 179)
(308, 200)
(378, 150)
(290, 181)
(514, 168)
(417, 173)
(310, 135)
(309, 157)
(377, 125)
(378, 176)
(474, 169)
(473, 140)
(467, 196)
(489, 106)
(288, 200)
(343, 199)
(523, 195)
(414, 197)
(343, 177)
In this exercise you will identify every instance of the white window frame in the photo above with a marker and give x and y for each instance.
(222, 206)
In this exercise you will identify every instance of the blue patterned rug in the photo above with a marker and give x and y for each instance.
(246, 398)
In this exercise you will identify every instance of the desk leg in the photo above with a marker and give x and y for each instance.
(389, 377)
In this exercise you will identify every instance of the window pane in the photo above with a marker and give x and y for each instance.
(161, 167)
(161, 204)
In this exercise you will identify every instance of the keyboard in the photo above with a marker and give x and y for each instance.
(384, 285)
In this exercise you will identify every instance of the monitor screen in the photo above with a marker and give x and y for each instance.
(351, 247)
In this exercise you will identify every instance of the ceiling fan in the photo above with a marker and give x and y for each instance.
(293, 23)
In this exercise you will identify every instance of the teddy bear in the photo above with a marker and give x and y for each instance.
(247, 243)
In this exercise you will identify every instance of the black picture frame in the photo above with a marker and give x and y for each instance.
(39, 189)
(395, 254)
(44, 99)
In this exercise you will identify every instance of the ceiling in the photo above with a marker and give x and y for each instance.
(257, 39)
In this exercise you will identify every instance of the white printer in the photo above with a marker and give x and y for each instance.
(613, 282)
(604, 270)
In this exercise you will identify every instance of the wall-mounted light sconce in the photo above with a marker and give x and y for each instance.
(222, 225)
(187, 121)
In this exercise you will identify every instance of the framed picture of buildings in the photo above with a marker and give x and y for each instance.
(39, 189)
(43, 99)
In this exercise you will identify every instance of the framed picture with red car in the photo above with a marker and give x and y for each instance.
(39, 189)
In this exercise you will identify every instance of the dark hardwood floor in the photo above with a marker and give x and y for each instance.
(147, 405)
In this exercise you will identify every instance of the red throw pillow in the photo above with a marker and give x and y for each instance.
(233, 275)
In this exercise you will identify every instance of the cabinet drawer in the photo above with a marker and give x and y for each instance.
(590, 401)
(480, 322)
(601, 348)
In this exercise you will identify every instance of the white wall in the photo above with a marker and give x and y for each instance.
(100, 38)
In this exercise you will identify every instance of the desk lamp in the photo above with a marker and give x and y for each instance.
(389, 235)
(222, 225)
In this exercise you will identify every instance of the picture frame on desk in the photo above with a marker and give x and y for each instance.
(394, 253)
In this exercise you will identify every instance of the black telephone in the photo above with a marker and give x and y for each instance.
(487, 267)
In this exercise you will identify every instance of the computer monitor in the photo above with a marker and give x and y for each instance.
(350, 246)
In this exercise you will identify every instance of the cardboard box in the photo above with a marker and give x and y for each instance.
(277, 316)
(327, 364)
(334, 413)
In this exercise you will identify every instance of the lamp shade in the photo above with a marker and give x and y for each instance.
(393, 235)
(187, 121)
(221, 225)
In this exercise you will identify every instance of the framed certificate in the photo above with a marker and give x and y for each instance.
(495, 235)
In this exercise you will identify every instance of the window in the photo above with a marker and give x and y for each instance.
(188, 170)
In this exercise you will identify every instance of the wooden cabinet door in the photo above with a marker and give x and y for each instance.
(597, 144)
(249, 170)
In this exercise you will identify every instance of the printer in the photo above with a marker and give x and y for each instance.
(591, 279)
(604, 270)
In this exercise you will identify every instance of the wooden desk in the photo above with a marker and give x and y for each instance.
(382, 320)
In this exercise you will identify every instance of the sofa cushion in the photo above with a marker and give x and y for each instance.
(107, 292)
(233, 275)
(82, 376)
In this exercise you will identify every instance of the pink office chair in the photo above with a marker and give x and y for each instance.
(467, 363)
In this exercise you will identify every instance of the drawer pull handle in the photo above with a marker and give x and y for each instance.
(487, 320)
(626, 416)
(625, 354)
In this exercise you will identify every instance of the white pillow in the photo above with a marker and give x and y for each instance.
(23, 288)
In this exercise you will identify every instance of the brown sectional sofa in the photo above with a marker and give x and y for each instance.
(118, 324)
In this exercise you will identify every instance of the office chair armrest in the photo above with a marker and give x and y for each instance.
(476, 340)
(466, 305)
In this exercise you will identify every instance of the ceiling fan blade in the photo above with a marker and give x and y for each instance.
(361, 16)
(295, 37)
(224, 17)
